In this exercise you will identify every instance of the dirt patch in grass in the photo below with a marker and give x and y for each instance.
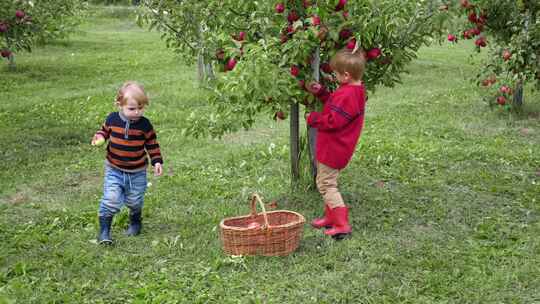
(18, 198)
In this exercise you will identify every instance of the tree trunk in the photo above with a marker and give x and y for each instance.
(295, 144)
(11, 61)
(209, 72)
(312, 132)
(200, 68)
(518, 94)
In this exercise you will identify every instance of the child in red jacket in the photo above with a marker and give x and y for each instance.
(339, 126)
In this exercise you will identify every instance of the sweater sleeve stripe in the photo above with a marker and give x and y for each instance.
(341, 112)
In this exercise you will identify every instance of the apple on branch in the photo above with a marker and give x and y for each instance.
(3, 27)
(5, 53)
(280, 8)
(19, 14)
(506, 55)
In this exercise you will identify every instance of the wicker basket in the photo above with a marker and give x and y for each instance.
(274, 232)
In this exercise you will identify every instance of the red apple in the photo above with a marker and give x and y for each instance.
(326, 68)
(472, 17)
(467, 34)
(373, 53)
(475, 31)
(306, 3)
(3, 27)
(482, 19)
(501, 100)
(345, 34)
(315, 20)
(505, 89)
(279, 115)
(452, 38)
(293, 16)
(481, 42)
(20, 14)
(341, 5)
(295, 70)
(230, 64)
(290, 29)
(5, 53)
(486, 83)
(351, 44)
(345, 14)
(302, 84)
(280, 8)
(506, 55)
(315, 88)
(283, 38)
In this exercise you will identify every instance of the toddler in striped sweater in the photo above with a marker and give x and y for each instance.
(132, 144)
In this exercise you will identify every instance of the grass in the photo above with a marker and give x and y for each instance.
(444, 192)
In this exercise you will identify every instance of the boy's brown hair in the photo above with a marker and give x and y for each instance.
(346, 60)
(134, 90)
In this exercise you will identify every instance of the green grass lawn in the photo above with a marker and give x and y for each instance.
(444, 191)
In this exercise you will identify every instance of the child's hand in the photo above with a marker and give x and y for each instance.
(314, 87)
(158, 169)
(98, 140)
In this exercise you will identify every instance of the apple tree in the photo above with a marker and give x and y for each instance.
(510, 31)
(203, 31)
(270, 50)
(24, 23)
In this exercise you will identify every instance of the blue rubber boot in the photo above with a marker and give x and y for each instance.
(135, 224)
(104, 236)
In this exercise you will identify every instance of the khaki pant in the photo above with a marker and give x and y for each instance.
(327, 185)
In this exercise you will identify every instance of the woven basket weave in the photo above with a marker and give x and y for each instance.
(276, 233)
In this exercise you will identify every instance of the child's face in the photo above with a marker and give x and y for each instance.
(131, 109)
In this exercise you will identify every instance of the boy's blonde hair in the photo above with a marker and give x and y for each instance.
(346, 60)
(134, 90)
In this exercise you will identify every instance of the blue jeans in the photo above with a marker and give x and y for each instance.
(121, 188)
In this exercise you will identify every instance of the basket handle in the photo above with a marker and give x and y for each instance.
(256, 198)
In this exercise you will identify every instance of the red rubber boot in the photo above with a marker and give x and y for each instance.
(325, 221)
(340, 223)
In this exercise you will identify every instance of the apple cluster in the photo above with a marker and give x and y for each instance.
(504, 70)
(229, 61)
(11, 25)
(303, 21)
(476, 21)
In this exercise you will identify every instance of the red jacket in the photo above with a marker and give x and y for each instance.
(339, 125)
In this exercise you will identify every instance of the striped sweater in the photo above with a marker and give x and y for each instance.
(130, 142)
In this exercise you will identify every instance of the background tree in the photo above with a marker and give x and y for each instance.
(23, 23)
(510, 30)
